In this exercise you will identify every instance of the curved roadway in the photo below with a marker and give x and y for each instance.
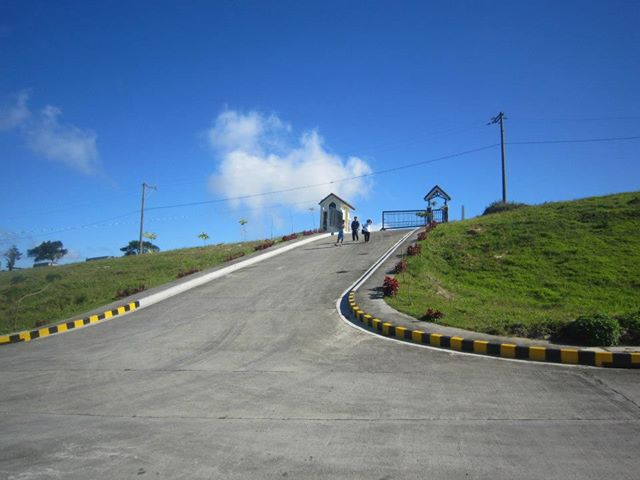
(256, 376)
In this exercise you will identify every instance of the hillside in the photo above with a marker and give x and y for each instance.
(527, 271)
(40, 296)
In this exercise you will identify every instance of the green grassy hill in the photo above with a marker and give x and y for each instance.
(40, 296)
(528, 271)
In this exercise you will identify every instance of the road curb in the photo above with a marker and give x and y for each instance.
(513, 351)
(569, 356)
(28, 335)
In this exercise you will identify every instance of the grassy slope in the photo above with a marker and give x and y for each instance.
(525, 271)
(57, 293)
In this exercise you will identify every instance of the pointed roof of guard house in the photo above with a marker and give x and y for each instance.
(437, 192)
(343, 201)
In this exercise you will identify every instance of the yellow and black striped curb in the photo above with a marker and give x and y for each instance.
(504, 350)
(29, 335)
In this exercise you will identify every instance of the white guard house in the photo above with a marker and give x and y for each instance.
(332, 210)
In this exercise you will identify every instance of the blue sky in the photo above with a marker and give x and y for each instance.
(214, 100)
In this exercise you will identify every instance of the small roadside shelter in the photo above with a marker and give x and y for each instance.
(440, 215)
(333, 209)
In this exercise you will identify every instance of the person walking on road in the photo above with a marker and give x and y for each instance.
(366, 229)
(340, 233)
(355, 226)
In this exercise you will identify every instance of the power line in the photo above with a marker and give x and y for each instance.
(346, 179)
(67, 229)
(388, 170)
(109, 222)
(263, 194)
(582, 140)
(577, 119)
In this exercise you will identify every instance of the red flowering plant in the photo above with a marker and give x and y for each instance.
(413, 250)
(184, 273)
(432, 315)
(127, 292)
(286, 238)
(390, 286)
(263, 246)
(234, 256)
(401, 266)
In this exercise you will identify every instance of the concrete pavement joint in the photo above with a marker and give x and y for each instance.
(376, 419)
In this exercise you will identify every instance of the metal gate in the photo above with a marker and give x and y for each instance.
(412, 218)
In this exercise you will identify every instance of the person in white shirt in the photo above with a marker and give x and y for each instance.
(366, 229)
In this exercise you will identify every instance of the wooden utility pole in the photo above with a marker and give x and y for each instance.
(144, 187)
(500, 119)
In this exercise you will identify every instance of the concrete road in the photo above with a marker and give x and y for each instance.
(256, 376)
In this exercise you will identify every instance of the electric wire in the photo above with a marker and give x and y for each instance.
(582, 140)
(322, 184)
(346, 179)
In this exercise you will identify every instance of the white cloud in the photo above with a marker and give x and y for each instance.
(65, 143)
(46, 136)
(257, 156)
(15, 114)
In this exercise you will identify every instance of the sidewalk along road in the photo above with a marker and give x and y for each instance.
(254, 375)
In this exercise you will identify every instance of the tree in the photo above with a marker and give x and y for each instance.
(134, 248)
(12, 255)
(204, 237)
(243, 222)
(52, 251)
(150, 235)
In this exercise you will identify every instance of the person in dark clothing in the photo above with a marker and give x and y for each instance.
(355, 226)
(340, 239)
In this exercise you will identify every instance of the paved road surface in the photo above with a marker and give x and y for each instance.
(256, 376)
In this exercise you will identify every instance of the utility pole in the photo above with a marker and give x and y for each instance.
(499, 119)
(144, 187)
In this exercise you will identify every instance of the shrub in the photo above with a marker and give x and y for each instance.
(306, 233)
(423, 234)
(498, 206)
(127, 292)
(547, 328)
(286, 238)
(390, 286)
(184, 273)
(413, 250)
(233, 256)
(630, 324)
(592, 330)
(432, 315)
(401, 266)
(263, 246)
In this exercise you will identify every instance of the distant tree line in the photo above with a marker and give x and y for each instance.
(46, 251)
